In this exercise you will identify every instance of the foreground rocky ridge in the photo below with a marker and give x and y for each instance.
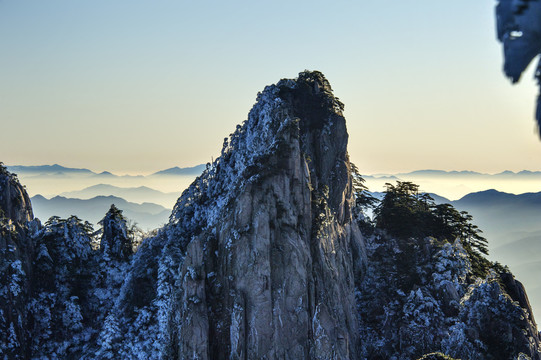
(262, 258)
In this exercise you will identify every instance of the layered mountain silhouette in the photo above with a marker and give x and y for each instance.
(146, 215)
(138, 194)
(266, 255)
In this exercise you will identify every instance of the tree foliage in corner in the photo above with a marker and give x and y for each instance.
(406, 213)
(363, 198)
(519, 30)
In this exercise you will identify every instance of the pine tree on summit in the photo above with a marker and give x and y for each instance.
(405, 212)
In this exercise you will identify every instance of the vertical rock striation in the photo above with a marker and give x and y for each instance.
(16, 251)
(14, 201)
(271, 263)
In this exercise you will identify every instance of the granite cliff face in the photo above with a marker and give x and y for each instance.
(14, 201)
(16, 250)
(268, 250)
(262, 258)
(277, 253)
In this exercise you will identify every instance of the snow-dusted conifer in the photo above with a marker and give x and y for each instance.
(116, 240)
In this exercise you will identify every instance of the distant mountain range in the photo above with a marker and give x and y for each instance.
(52, 180)
(139, 194)
(464, 173)
(493, 197)
(198, 169)
(456, 184)
(176, 171)
(499, 214)
(502, 216)
(48, 169)
(58, 170)
(147, 215)
(512, 225)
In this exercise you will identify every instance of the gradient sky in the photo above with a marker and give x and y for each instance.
(137, 86)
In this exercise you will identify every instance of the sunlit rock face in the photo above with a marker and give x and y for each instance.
(277, 251)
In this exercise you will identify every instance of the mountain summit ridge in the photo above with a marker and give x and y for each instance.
(274, 197)
(262, 258)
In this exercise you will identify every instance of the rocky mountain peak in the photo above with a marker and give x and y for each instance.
(14, 201)
(302, 109)
(269, 226)
(262, 259)
(323, 134)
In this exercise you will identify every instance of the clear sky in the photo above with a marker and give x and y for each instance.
(137, 86)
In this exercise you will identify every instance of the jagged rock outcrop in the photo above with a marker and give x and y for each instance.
(16, 251)
(14, 201)
(276, 263)
(270, 251)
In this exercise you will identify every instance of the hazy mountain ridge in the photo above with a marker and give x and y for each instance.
(48, 169)
(146, 215)
(53, 180)
(134, 194)
(492, 196)
(197, 169)
(62, 170)
(456, 173)
(502, 213)
(456, 184)
(102, 189)
(175, 171)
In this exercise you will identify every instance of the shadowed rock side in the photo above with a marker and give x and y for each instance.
(14, 201)
(16, 251)
(264, 240)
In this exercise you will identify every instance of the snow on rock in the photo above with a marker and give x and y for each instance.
(266, 242)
